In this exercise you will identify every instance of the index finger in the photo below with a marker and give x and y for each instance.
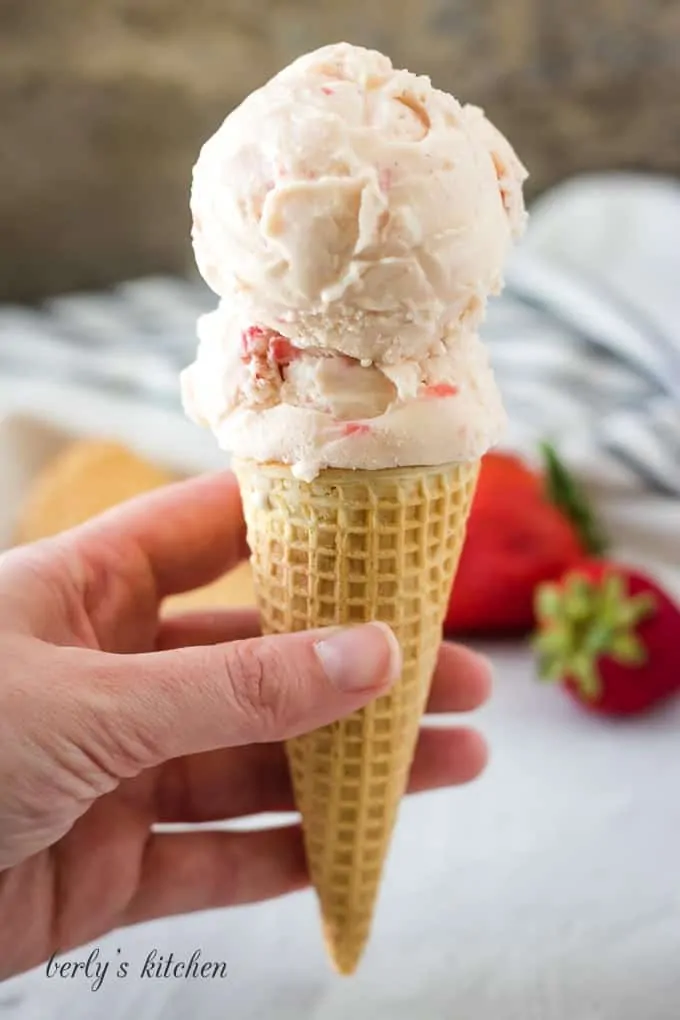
(189, 533)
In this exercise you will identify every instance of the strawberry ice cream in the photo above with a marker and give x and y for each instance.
(353, 221)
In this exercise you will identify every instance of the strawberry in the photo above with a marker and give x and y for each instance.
(610, 636)
(524, 528)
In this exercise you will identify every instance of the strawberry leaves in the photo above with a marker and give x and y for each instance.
(581, 621)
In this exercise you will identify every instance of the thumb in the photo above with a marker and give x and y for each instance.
(167, 704)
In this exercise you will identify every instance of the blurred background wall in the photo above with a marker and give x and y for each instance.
(104, 103)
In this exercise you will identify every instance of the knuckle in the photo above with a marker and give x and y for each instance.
(115, 579)
(257, 684)
(92, 746)
(116, 748)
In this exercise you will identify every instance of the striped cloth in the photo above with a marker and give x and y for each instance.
(585, 339)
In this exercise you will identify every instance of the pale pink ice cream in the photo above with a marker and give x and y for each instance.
(353, 220)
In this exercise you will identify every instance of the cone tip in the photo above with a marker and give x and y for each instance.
(345, 955)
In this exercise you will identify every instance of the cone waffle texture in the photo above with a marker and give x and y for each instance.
(350, 547)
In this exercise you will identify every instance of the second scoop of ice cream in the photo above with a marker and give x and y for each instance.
(267, 399)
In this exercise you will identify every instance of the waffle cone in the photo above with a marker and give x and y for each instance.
(350, 547)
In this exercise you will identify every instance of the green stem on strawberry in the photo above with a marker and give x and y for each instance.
(568, 496)
(582, 621)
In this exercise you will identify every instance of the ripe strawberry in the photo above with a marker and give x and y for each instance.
(610, 636)
(524, 528)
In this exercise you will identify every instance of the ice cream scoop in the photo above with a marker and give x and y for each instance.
(355, 218)
(268, 400)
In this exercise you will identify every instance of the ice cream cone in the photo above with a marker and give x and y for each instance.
(349, 547)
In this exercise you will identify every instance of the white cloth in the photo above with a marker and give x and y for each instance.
(586, 338)
(546, 891)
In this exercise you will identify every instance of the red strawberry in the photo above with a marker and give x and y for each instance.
(524, 528)
(610, 635)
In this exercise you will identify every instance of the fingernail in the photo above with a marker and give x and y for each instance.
(361, 658)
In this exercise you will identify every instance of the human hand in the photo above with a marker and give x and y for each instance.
(113, 719)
